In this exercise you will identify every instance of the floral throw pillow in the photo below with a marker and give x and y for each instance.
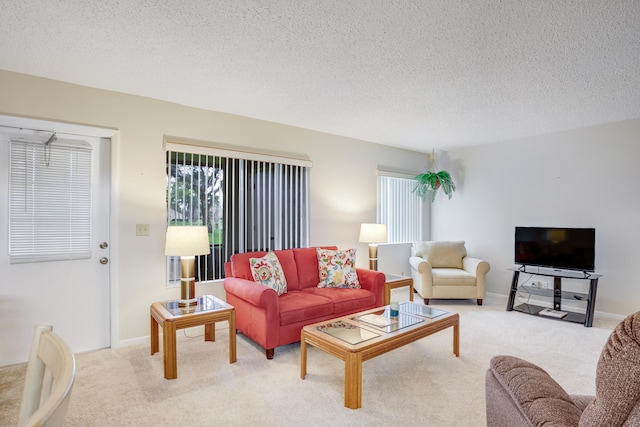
(337, 268)
(268, 271)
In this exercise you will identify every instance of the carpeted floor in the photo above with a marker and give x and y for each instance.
(419, 384)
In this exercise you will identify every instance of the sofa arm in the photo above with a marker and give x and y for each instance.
(373, 281)
(519, 393)
(252, 292)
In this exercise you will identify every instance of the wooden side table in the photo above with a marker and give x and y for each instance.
(394, 281)
(171, 317)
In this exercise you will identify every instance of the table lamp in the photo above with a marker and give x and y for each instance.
(187, 242)
(373, 234)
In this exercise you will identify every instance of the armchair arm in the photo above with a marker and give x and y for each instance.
(422, 276)
(373, 281)
(478, 268)
(519, 393)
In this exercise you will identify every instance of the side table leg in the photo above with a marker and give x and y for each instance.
(411, 291)
(155, 345)
(232, 337)
(169, 342)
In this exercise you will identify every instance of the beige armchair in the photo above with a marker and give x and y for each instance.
(519, 393)
(442, 269)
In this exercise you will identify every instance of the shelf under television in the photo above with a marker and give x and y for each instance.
(536, 309)
(577, 296)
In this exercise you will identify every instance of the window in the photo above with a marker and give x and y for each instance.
(400, 208)
(50, 201)
(248, 204)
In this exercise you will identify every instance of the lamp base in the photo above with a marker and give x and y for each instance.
(187, 282)
(373, 256)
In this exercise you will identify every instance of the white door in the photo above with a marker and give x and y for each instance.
(72, 295)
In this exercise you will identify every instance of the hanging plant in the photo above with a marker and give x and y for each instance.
(429, 182)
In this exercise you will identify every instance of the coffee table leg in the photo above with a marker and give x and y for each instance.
(353, 380)
(232, 337)
(303, 356)
(456, 339)
(155, 345)
(169, 342)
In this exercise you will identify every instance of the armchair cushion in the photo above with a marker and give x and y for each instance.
(617, 378)
(441, 254)
(535, 395)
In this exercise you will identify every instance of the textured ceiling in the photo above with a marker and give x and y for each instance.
(420, 74)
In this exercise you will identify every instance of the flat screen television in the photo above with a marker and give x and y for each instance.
(557, 248)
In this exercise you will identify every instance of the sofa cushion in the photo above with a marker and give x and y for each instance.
(241, 267)
(337, 268)
(345, 300)
(268, 271)
(298, 306)
(452, 277)
(307, 265)
(441, 254)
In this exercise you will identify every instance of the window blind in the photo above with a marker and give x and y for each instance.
(247, 204)
(400, 208)
(49, 201)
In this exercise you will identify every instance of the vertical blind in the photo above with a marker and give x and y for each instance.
(247, 205)
(400, 208)
(49, 201)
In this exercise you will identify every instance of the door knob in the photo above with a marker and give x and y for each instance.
(104, 245)
(104, 260)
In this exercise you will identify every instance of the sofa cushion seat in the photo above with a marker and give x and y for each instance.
(345, 300)
(452, 277)
(296, 306)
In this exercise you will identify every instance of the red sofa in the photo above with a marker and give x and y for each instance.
(271, 320)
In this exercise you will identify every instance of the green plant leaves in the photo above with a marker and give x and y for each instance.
(428, 183)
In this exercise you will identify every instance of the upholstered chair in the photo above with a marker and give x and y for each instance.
(519, 393)
(442, 269)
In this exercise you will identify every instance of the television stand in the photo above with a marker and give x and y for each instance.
(557, 294)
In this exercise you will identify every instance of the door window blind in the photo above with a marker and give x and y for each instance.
(49, 201)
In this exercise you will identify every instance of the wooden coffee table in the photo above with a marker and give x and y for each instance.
(355, 339)
(171, 317)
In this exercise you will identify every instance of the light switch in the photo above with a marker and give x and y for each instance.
(142, 229)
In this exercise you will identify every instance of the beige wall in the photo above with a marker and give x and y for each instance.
(581, 178)
(343, 180)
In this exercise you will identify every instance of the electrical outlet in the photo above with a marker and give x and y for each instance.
(543, 285)
(142, 229)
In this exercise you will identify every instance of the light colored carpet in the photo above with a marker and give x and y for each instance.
(420, 384)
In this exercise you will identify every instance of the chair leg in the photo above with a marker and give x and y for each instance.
(269, 353)
(479, 301)
(426, 301)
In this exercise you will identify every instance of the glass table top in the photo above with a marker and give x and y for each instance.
(204, 303)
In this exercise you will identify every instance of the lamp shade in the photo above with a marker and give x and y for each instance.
(373, 233)
(187, 241)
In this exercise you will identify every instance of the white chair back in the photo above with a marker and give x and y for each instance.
(48, 382)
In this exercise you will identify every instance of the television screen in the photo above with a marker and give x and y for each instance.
(563, 248)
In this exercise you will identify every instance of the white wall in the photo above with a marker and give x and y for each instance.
(582, 178)
(343, 180)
